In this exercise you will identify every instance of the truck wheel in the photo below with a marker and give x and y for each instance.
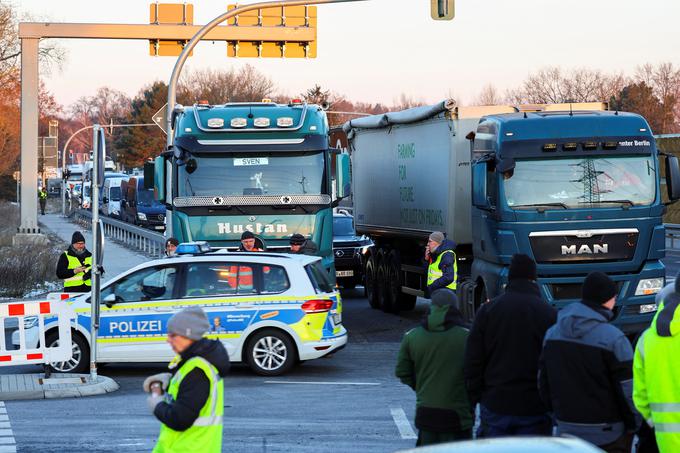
(80, 361)
(384, 293)
(270, 352)
(370, 287)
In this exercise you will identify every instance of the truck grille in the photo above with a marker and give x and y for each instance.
(584, 245)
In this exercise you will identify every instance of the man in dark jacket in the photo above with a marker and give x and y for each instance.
(431, 363)
(442, 269)
(75, 266)
(191, 411)
(250, 243)
(300, 245)
(501, 359)
(585, 372)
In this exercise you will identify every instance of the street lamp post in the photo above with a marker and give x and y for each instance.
(63, 156)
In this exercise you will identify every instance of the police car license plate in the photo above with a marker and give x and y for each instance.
(344, 273)
(337, 318)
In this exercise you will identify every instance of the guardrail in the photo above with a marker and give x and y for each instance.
(139, 238)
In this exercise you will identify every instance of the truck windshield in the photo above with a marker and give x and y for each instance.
(146, 197)
(575, 183)
(254, 174)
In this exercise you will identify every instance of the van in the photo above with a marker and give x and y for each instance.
(139, 206)
(111, 195)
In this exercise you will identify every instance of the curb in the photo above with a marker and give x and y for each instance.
(35, 386)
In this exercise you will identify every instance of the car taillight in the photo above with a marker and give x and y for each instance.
(317, 306)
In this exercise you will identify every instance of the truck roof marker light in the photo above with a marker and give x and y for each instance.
(261, 122)
(550, 147)
(285, 121)
(188, 129)
(266, 101)
(203, 103)
(238, 123)
(589, 146)
(215, 123)
(643, 129)
(509, 134)
(296, 101)
(569, 146)
(312, 128)
(609, 145)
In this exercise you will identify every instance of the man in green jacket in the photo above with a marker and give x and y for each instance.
(656, 375)
(431, 363)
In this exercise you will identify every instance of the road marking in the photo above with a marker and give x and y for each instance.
(322, 382)
(7, 442)
(403, 425)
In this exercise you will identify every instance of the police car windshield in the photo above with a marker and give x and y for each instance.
(254, 174)
(575, 183)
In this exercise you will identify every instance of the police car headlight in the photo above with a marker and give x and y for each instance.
(30, 321)
(649, 286)
(141, 216)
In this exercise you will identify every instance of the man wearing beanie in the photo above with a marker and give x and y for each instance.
(75, 266)
(300, 245)
(501, 360)
(442, 268)
(189, 401)
(585, 371)
(248, 242)
(430, 361)
(656, 375)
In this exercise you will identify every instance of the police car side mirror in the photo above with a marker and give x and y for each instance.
(109, 300)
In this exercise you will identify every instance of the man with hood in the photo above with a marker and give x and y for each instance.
(501, 359)
(191, 411)
(656, 375)
(442, 269)
(430, 361)
(299, 245)
(585, 370)
(75, 266)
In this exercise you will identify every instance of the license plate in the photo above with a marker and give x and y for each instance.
(337, 318)
(344, 273)
(159, 227)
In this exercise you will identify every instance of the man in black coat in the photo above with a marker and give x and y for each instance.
(501, 360)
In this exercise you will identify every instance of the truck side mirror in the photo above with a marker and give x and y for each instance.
(479, 196)
(159, 178)
(342, 177)
(673, 177)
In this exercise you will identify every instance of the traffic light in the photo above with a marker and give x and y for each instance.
(442, 9)
(280, 16)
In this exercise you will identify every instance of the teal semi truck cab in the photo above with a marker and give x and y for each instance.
(261, 167)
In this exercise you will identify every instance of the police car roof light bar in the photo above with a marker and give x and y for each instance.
(193, 248)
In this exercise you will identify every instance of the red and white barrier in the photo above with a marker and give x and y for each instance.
(41, 354)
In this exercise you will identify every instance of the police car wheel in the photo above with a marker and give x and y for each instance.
(80, 360)
(270, 353)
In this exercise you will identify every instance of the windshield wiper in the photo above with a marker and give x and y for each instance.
(626, 203)
(191, 188)
(542, 205)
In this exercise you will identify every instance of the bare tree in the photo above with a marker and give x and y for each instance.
(404, 101)
(551, 85)
(218, 87)
(489, 96)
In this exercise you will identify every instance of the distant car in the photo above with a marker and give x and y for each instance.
(111, 194)
(512, 445)
(86, 196)
(349, 250)
(270, 310)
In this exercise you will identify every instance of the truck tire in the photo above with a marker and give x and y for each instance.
(387, 304)
(80, 361)
(399, 300)
(370, 286)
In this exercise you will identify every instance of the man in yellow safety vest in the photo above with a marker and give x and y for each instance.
(656, 375)
(189, 401)
(442, 270)
(75, 266)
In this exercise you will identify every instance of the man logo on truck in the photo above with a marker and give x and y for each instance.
(585, 249)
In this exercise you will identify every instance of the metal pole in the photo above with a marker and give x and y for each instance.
(181, 60)
(29, 136)
(94, 296)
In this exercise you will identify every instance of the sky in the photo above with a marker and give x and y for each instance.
(373, 51)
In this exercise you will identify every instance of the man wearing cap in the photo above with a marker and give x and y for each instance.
(442, 269)
(75, 266)
(656, 375)
(171, 247)
(189, 401)
(585, 370)
(248, 243)
(430, 361)
(501, 359)
(300, 245)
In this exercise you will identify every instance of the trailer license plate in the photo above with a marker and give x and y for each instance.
(344, 273)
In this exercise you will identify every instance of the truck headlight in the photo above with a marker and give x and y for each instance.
(141, 216)
(30, 321)
(649, 286)
(364, 250)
